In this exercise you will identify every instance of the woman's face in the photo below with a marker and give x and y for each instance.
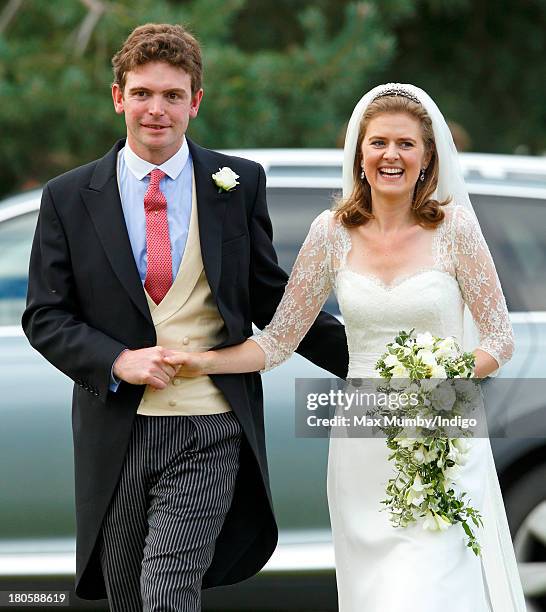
(393, 153)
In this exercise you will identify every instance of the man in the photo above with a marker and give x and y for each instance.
(136, 254)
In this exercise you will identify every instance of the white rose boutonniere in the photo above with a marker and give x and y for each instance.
(225, 179)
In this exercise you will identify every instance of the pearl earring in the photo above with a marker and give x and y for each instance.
(422, 174)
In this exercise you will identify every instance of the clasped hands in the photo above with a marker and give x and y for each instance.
(157, 366)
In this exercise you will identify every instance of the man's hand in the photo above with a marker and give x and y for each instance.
(145, 367)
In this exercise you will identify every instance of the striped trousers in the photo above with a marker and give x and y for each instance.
(175, 488)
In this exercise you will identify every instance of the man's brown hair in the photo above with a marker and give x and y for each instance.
(159, 42)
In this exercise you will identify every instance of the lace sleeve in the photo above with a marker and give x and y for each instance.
(306, 291)
(480, 286)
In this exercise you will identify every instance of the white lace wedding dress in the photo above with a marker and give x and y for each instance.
(381, 568)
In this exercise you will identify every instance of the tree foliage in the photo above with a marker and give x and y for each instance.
(55, 77)
(277, 72)
(484, 63)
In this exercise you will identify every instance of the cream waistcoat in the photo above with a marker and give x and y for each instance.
(187, 319)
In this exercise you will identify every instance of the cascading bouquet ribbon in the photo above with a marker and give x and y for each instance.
(428, 463)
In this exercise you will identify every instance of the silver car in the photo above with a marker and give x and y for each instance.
(36, 469)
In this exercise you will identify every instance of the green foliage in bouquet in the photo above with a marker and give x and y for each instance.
(428, 462)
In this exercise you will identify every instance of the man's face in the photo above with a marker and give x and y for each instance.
(158, 105)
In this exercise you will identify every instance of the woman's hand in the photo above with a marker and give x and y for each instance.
(244, 357)
(190, 365)
(485, 364)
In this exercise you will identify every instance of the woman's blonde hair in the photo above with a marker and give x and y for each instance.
(357, 208)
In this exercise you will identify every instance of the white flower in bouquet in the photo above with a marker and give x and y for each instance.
(399, 371)
(431, 454)
(425, 340)
(459, 451)
(454, 453)
(404, 442)
(400, 376)
(391, 361)
(461, 444)
(453, 472)
(443, 397)
(420, 455)
(427, 357)
(413, 388)
(436, 522)
(446, 348)
(462, 459)
(416, 499)
(418, 485)
(438, 371)
(428, 384)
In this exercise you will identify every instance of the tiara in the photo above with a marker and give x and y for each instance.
(395, 89)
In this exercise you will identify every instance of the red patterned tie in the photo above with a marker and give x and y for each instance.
(159, 274)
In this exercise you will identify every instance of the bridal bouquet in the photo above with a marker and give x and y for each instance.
(426, 460)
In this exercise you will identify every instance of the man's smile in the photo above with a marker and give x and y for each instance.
(154, 126)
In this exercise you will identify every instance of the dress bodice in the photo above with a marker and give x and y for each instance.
(459, 271)
(428, 300)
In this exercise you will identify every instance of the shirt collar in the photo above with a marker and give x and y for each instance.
(172, 167)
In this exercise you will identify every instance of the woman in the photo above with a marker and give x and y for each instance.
(402, 250)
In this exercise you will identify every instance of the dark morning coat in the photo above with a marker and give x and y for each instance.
(86, 303)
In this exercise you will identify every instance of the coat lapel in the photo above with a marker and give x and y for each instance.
(212, 207)
(103, 203)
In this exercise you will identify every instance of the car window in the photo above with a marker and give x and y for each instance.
(15, 243)
(515, 230)
(292, 211)
(513, 227)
